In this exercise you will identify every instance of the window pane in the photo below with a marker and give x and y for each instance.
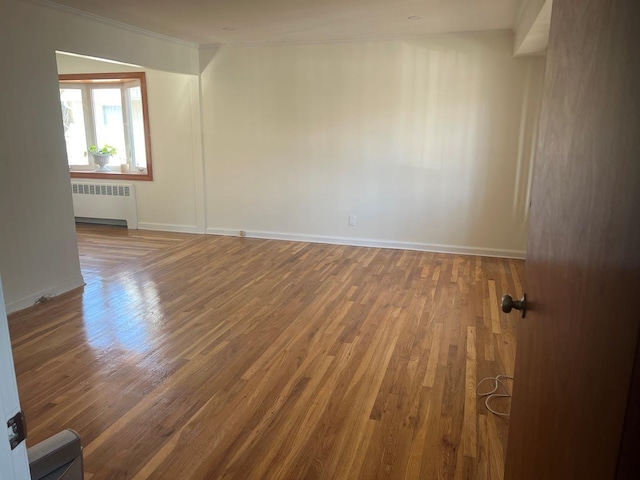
(107, 113)
(106, 109)
(139, 154)
(74, 132)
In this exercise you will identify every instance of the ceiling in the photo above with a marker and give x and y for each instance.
(280, 21)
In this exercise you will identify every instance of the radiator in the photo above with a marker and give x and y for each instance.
(105, 201)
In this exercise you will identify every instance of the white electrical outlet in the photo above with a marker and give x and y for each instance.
(353, 221)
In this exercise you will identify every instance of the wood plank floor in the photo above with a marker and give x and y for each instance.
(204, 357)
(101, 246)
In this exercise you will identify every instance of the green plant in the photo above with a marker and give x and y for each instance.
(106, 150)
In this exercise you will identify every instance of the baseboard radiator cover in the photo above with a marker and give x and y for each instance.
(103, 201)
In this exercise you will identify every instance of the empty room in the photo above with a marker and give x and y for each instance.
(319, 239)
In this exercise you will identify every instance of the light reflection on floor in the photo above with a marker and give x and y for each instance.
(122, 312)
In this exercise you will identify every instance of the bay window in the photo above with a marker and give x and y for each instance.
(106, 109)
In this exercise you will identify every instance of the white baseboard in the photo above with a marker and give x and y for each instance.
(168, 227)
(365, 242)
(30, 300)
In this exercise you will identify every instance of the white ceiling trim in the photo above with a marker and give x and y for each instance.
(532, 31)
(108, 21)
(388, 38)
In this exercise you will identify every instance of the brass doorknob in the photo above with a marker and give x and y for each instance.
(508, 304)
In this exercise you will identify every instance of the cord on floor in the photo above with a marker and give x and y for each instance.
(44, 299)
(494, 393)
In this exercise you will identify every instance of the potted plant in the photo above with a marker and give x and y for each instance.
(101, 156)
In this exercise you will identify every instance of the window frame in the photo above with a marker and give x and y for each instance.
(82, 79)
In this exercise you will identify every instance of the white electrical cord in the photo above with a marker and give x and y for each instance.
(493, 393)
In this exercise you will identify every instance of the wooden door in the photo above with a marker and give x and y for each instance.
(570, 415)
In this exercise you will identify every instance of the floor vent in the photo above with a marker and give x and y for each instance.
(105, 201)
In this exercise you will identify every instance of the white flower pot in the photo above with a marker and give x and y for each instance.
(101, 160)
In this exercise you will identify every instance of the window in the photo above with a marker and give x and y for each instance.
(106, 109)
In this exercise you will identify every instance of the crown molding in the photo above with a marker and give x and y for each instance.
(108, 21)
(381, 38)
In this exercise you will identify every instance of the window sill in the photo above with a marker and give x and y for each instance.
(142, 177)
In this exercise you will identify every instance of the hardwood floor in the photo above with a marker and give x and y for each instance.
(211, 357)
(101, 247)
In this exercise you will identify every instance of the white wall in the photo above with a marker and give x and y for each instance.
(38, 250)
(169, 201)
(426, 140)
